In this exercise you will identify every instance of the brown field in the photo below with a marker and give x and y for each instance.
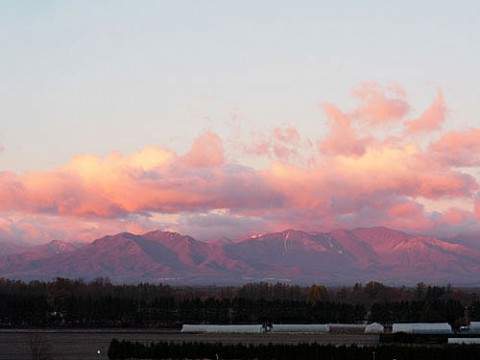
(85, 344)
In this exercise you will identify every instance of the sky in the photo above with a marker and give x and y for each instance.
(228, 118)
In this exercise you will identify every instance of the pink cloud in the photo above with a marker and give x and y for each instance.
(458, 148)
(405, 210)
(409, 217)
(5, 227)
(431, 120)
(455, 216)
(207, 150)
(381, 105)
(41, 228)
(353, 178)
(154, 179)
(282, 143)
(477, 206)
(342, 138)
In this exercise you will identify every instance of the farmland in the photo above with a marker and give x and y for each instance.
(85, 344)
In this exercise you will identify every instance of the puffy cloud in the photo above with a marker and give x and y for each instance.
(381, 105)
(458, 148)
(207, 150)
(360, 174)
(430, 120)
(154, 179)
(455, 216)
(342, 137)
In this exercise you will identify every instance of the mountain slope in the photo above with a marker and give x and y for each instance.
(7, 248)
(340, 256)
(29, 257)
(292, 254)
(406, 257)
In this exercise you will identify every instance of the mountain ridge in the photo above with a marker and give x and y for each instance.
(336, 257)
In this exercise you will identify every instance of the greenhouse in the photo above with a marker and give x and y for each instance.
(422, 328)
(374, 328)
(190, 328)
(303, 328)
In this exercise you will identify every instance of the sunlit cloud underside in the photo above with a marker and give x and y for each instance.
(378, 164)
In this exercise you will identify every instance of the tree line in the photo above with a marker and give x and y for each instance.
(99, 303)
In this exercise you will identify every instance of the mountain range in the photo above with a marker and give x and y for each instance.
(336, 257)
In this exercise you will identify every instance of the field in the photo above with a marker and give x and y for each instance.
(85, 344)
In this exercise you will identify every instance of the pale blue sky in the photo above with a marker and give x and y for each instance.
(97, 76)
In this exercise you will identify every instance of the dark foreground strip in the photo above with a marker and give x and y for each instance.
(196, 350)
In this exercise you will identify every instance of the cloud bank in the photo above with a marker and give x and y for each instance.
(377, 164)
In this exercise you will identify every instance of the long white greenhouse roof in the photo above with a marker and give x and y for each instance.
(464, 340)
(415, 328)
(222, 328)
(275, 328)
(475, 325)
(300, 328)
(348, 326)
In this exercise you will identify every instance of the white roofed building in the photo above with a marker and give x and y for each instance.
(302, 328)
(464, 340)
(474, 325)
(374, 328)
(243, 329)
(422, 328)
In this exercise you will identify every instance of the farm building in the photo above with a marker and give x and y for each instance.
(474, 326)
(422, 328)
(353, 328)
(281, 328)
(374, 328)
(300, 328)
(464, 340)
(243, 329)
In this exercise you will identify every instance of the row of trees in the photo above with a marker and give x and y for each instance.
(165, 350)
(100, 303)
